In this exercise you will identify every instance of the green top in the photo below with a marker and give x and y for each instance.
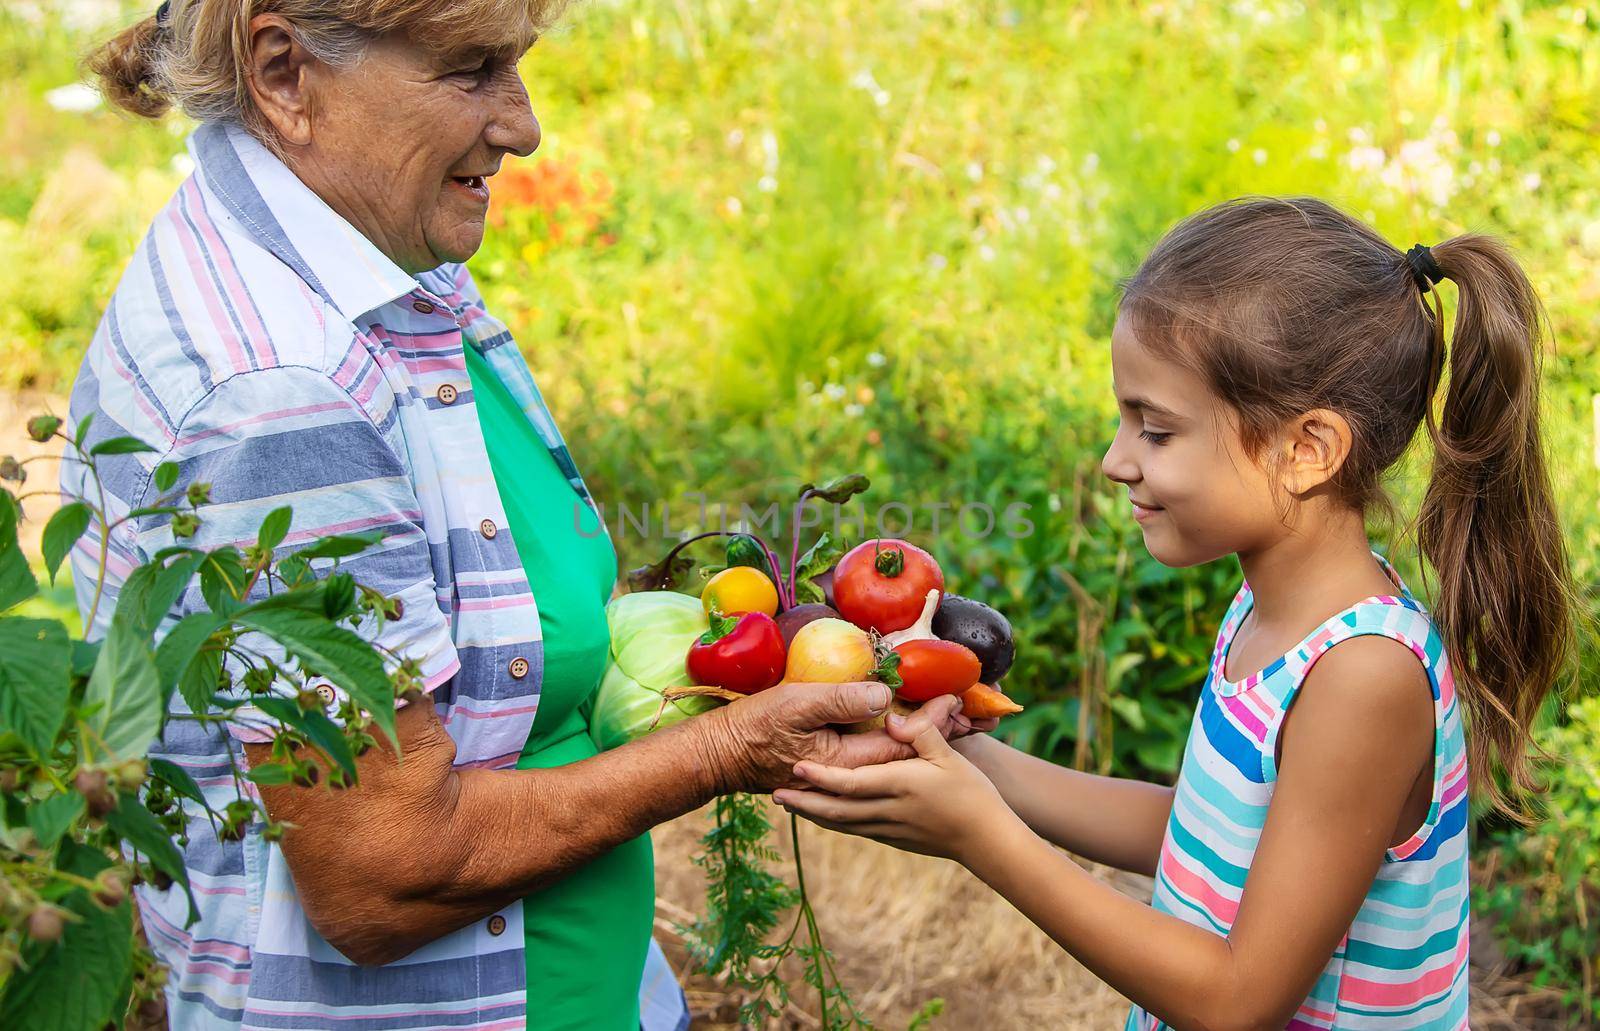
(587, 934)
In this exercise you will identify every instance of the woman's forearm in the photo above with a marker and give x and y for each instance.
(1104, 819)
(419, 848)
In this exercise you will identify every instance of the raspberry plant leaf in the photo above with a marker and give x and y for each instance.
(76, 982)
(35, 666)
(62, 532)
(321, 731)
(139, 829)
(334, 652)
(17, 583)
(52, 817)
(124, 694)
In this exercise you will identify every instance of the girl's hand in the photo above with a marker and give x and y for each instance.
(938, 803)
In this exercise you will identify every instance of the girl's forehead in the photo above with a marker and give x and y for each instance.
(1132, 361)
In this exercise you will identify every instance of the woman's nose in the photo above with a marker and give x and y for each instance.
(514, 127)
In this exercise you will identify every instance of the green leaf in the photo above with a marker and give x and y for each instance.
(342, 545)
(338, 596)
(323, 733)
(200, 681)
(176, 655)
(838, 490)
(177, 778)
(274, 528)
(334, 652)
(35, 667)
(125, 687)
(152, 590)
(270, 774)
(167, 587)
(73, 984)
(139, 828)
(17, 583)
(166, 476)
(51, 818)
(818, 559)
(153, 510)
(1129, 709)
(62, 532)
(84, 655)
(120, 446)
(83, 430)
(222, 580)
(295, 570)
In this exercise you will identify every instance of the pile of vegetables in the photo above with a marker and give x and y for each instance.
(876, 611)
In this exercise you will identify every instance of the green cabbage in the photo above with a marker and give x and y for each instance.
(651, 632)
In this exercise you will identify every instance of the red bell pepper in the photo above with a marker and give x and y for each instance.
(743, 653)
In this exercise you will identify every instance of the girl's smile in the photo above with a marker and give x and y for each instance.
(1142, 512)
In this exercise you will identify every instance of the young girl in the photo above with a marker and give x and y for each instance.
(1272, 359)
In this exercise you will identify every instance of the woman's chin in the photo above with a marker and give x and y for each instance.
(459, 242)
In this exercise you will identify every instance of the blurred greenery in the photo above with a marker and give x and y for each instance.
(768, 243)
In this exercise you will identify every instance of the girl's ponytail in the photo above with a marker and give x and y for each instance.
(1488, 523)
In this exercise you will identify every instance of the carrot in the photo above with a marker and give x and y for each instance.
(980, 701)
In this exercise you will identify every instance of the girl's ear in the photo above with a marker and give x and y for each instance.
(1315, 446)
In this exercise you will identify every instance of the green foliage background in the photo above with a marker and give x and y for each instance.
(792, 240)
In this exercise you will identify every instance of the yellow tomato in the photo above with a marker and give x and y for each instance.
(740, 589)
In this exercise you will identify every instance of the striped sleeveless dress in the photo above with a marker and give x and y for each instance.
(1403, 963)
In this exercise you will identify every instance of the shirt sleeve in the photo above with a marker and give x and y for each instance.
(292, 437)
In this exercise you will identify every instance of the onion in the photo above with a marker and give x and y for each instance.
(829, 651)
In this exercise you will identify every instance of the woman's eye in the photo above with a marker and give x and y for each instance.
(1155, 437)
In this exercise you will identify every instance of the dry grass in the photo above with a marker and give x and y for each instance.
(906, 929)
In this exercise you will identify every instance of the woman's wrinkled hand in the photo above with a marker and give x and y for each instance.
(755, 743)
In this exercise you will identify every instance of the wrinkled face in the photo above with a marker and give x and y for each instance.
(1195, 491)
(405, 141)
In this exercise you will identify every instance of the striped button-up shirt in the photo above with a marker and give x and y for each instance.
(265, 347)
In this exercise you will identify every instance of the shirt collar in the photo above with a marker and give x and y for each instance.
(282, 213)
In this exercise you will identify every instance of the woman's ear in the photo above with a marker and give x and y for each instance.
(277, 70)
(1315, 446)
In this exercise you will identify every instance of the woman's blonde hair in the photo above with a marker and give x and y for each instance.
(195, 55)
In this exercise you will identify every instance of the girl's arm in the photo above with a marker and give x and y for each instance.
(1361, 734)
(1108, 820)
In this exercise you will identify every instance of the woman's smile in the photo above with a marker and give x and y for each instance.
(474, 186)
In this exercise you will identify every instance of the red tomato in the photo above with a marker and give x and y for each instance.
(929, 669)
(744, 654)
(881, 584)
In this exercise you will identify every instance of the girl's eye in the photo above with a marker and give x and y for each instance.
(1154, 437)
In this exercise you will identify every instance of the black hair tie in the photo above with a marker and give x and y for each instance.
(163, 14)
(1424, 269)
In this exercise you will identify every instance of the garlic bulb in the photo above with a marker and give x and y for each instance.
(921, 630)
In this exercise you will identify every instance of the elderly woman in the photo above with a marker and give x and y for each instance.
(297, 329)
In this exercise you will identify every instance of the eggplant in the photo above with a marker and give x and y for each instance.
(979, 627)
(791, 620)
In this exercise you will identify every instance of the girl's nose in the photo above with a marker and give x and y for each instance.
(1117, 464)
